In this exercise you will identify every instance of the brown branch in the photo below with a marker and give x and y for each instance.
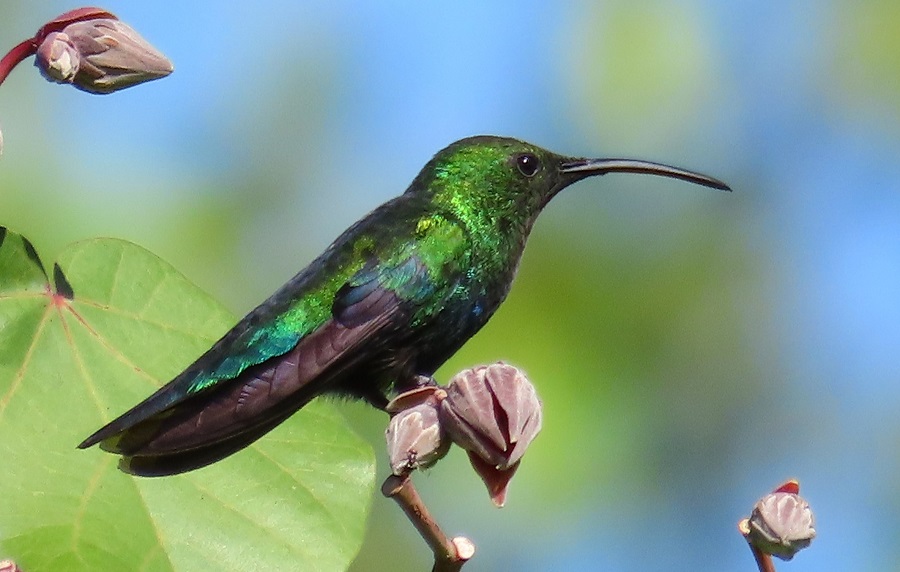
(449, 554)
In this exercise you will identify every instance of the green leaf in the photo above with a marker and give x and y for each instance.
(116, 323)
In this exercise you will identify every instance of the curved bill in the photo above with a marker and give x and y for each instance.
(581, 168)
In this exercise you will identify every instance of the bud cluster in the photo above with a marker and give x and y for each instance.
(492, 412)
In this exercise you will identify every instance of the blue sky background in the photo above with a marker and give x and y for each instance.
(761, 342)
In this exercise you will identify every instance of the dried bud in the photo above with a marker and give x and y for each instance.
(99, 55)
(494, 413)
(782, 523)
(9, 566)
(414, 435)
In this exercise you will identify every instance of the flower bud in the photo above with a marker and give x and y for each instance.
(9, 566)
(99, 55)
(782, 523)
(415, 439)
(57, 58)
(494, 413)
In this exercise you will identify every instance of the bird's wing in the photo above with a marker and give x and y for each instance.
(175, 430)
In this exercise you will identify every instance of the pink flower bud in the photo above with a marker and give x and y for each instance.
(494, 413)
(415, 439)
(99, 55)
(781, 524)
(9, 566)
(57, 58)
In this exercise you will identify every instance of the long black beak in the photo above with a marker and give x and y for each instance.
(581, 168)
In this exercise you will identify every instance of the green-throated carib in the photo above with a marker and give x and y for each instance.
(389, 301)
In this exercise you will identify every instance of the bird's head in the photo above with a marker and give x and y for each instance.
(509, 180)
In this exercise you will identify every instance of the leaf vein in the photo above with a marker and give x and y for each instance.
(274, 532)
(20, 374)
(302, 485)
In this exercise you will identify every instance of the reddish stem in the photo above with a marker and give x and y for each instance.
(59, 23)
(15, 56)
(29, 47)
(763, 560)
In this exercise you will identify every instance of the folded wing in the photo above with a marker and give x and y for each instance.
(175, 430)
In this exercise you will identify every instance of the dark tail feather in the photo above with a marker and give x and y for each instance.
(167, 435)
(153, 405)
(175, 463)
(227, 417)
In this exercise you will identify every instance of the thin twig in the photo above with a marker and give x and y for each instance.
(449, 554)
(763, 560)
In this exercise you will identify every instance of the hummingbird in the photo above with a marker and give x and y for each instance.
(388, 302)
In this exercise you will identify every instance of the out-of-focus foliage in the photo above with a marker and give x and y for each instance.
(643, 74)
(865, 57)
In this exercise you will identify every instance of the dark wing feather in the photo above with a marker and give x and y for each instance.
(222, 420)
(216, 424)
(212, 370)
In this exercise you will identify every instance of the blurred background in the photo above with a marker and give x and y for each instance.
(693, 349)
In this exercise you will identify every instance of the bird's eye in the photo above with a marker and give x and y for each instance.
(528, 164)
